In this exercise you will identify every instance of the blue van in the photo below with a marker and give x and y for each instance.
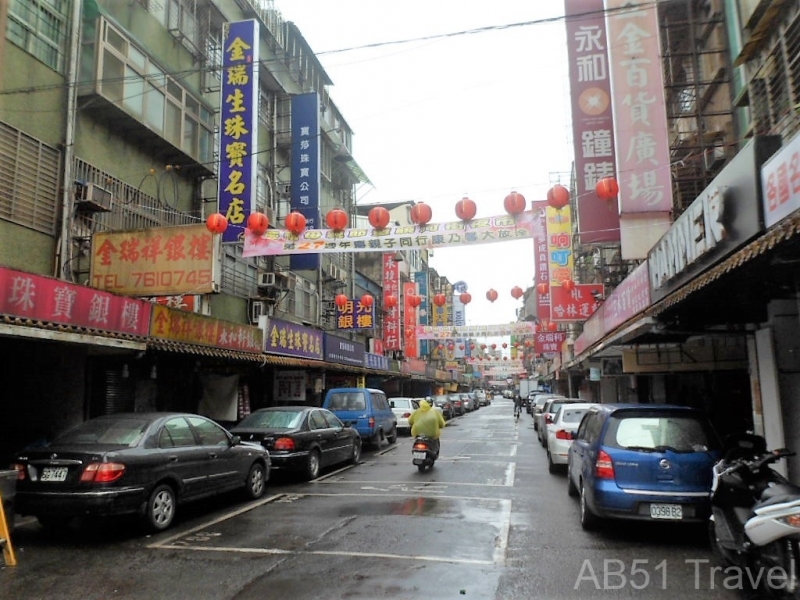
(367, 410)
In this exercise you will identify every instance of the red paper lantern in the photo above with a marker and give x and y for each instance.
(552, 326)
(483, 346)
(390, 301)
(461, 346)
(336, 219)
(493, 346)
(472, 346)
(414, 300)
(558, 196)
(451, 346)
(258, 223)
(568, 285)
(439, 299)
(514, 203)
(516, 292)
(491, 295)
(465, 298)
(295, 222)
(505, 345)
(421, 213)
(341, 300)
(505, 358)
(607, 188)
(543, 288)
(367, 300)
(379, 217)
(216, 223)
(466, 209)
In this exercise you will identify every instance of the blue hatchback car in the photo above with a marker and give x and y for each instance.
(649, 462)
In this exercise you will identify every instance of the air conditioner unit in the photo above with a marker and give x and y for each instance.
(91, 197)
(266, 279)
(257, 309)
(714, 157)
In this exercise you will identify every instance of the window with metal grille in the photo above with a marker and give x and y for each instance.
(41, 28)
(29, 172)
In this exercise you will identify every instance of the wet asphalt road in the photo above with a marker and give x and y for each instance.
(487, 522)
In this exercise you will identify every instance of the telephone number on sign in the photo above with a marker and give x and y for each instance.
(143, 280)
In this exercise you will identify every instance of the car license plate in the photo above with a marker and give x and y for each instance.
(54, 474)
(418, 455)
(666, 511)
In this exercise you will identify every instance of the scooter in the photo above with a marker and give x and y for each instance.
(424, 452)
(755, 520)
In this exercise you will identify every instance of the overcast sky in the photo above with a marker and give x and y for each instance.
(476, 114)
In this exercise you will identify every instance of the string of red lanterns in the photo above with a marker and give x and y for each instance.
(466, 209)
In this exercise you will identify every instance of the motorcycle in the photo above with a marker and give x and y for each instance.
(755, 521)
(424, 452)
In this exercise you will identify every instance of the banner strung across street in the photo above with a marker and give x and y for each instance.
(502, 228)
(431, 332)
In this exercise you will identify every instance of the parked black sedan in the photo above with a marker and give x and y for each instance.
(302, 439)
(136, 463)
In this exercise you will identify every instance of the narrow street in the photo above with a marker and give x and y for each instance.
(488, 521)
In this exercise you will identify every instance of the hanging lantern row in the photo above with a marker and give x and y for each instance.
(466, 209)
(421, 213)
(336, 219)
(491, 295)
(390, 301)
(516, 292)
(439, 299)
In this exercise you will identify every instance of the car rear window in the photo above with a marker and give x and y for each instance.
(659, 432)
(347, 401)
(273, 419)
(401, 402)
(572, 415)
(125, 432)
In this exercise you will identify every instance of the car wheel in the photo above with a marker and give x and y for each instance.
(256, 482)
(356, 455)
(312, 465)
(551, 467)
(572, 491)
(392, 437)
(588, 518)
(376, 439)
(160, 510)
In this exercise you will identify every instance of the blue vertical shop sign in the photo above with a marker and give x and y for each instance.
(238, 126)
(421, 279)
(305, 169)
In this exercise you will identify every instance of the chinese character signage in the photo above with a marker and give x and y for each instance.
(151, 262)
(46, 299)
(238, 133)
(376, 361)
(577, 304)
(549, 342)
(592, 120)
(312, 241)
(305, 169)
(290, 387)
(423, 314)
(344, 351)
(410, 347)
(355, 315)
(182, 326)
(559, 246)
(541, 262)
(780, 181)
(391, 287)
(433, 332)
(291, 339)
(640, 125)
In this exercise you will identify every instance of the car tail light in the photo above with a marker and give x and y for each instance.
(102, 472)
(22, 475)
(284, 443)
(603, 466)
(563, 434)
(371, 422)
(406, 415)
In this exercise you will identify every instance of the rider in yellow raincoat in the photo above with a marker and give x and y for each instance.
(427, 422)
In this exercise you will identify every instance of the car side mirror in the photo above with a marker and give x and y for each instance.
(391, 403)
(236, 440)
(548, 419)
